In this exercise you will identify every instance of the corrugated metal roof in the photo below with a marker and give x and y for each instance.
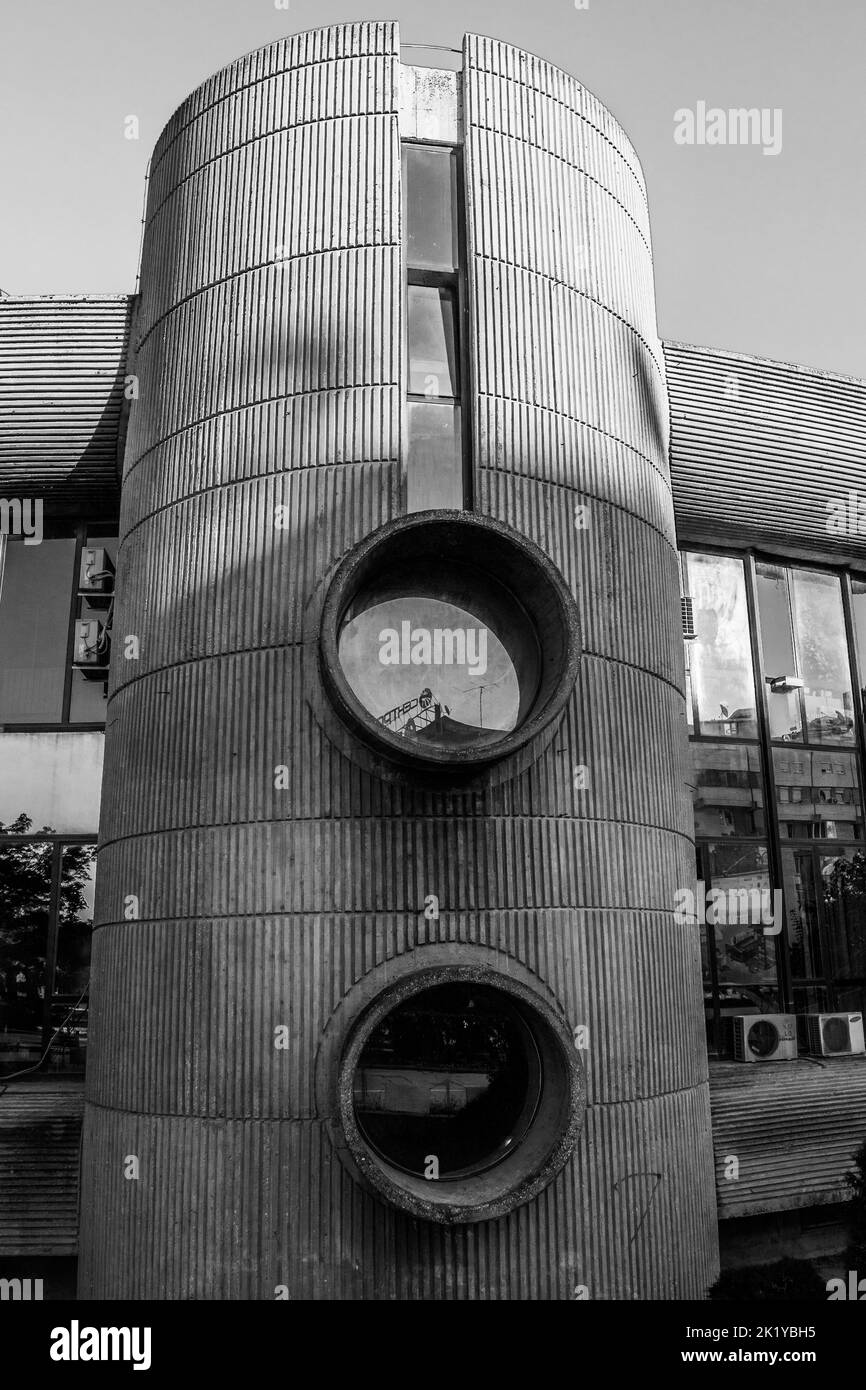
(40, 1131)
(62, 364)
(794, 1126)
(759, 448)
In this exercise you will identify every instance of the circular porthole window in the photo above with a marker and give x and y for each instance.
(448, 638)
(460, 1094)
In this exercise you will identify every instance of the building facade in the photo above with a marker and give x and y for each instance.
(406, 760)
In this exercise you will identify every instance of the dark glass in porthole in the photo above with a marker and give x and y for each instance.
(452, 1073)
(440, 654)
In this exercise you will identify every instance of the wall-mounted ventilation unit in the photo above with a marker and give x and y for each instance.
(831, 1035)
(92, 651)
(764, 1037)
(689, 632)
(96, 577)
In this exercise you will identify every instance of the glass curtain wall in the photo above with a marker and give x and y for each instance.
(777, 735)
(52, 597)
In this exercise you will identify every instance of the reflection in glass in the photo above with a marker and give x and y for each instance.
(823, 653)
(25, 912)
(729, 798)
(811, 999)
(446, 657)
(777, 642)
(46, 919)
(432, 342)
(745, 956)
(818, 794)
(801, 914)
(56, 775)
(434, 471)
(720, 656)
(429, 203)
(453, 1072)
(844, 898)
(72, 970)
(35, 612)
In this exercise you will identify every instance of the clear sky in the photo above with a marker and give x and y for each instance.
(755, 253)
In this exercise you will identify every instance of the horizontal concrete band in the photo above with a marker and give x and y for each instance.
(240, 738)
(218, 1211)
(348, 439)
(269, 316)
(306, 216)
(392, 865)
(187, 1012)
(216, 576)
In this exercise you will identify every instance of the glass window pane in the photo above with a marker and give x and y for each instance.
(818, 794)
(823, 651)
(432, 339)
(847, 998)
(429, 203)
(720, 655)
(729, 798)
(54, 779)
(443, 658)
(72, 971)
(844, 899)
(434, 464)
(777, 642)
(35, 611)
(811, 999)
(801, 915)
(25, 901)
(454, 1071)
(745, 956)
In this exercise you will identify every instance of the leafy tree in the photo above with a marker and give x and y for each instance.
(845, 898)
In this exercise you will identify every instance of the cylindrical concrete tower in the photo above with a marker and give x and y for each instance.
(285, 902)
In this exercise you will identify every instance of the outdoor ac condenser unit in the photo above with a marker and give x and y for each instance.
(831, 1035)
(764, 1037)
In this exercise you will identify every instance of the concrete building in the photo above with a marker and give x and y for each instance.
(392, 992)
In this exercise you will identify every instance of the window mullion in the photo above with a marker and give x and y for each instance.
(774, 841)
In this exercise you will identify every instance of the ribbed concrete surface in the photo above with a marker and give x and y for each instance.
(571, 412)
(62, 366)
(269, 384)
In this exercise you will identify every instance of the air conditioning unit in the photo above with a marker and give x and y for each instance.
(96, 578)
(764, 1037)
(92, 650)
(97, 571)
(831, 1035)
(688, 615)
